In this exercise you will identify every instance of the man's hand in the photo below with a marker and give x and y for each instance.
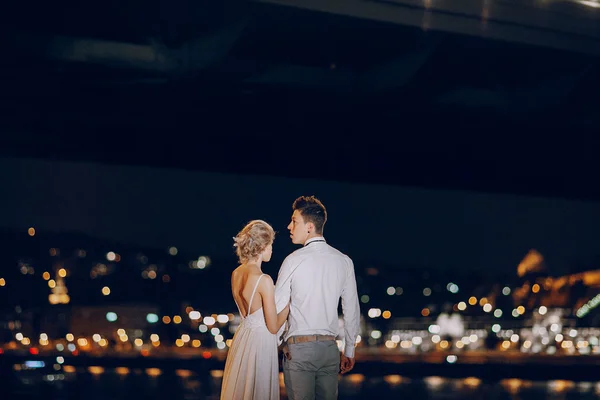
(346, 364)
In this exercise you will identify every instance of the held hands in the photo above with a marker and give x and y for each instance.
(346, 363)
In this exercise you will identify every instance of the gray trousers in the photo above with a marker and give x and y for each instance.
(312, 372)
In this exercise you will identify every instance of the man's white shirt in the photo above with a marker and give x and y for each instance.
(314, 278)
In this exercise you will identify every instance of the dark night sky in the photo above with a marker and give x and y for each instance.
(200, 212)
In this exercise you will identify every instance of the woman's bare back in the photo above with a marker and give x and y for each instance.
(243, 281)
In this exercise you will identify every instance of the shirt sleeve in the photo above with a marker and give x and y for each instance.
(283, 290)
(351, 311)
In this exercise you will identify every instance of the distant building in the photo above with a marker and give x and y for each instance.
(579, 292)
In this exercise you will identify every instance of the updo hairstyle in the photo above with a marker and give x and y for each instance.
(252, 240)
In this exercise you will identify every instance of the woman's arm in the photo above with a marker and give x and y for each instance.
(273, 320)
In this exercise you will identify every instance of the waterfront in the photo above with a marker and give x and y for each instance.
(123, 383)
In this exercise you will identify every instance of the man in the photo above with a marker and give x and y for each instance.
(313, 279)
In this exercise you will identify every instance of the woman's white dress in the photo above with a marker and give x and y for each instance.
(252, 368)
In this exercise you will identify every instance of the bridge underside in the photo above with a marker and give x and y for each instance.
(483, 95)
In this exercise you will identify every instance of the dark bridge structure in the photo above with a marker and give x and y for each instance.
(491, 95)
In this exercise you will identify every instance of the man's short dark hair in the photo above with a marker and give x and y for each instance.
(312, 210)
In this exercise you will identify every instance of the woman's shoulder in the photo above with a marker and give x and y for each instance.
(264, 278)
(266, 281)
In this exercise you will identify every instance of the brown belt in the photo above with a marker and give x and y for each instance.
(309, 338)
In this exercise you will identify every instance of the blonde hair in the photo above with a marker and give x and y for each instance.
(253, 239)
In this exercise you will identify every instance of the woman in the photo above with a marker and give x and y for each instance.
(252, 368)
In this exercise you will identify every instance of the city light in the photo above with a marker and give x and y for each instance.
(452, 288)
(222, 318)
(152, 318)
(587, 307)
(431, 317)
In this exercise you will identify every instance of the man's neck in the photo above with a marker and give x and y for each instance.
(312, 237)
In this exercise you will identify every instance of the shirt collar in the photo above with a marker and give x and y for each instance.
(315, 239)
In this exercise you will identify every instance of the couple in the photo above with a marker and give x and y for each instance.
(309, 286)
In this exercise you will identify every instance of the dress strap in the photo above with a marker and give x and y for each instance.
(252, 297)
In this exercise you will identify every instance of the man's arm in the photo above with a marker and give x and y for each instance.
(351, 311)
(283, 286)
(283, 289)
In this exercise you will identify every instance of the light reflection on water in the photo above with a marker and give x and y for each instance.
(153, 383)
